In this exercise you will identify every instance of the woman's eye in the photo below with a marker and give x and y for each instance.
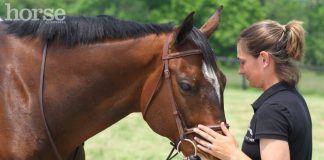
(241, 62)
(185, 87)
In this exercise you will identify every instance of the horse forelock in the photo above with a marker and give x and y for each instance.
(209, 62)
(74, 30)
(208, 53)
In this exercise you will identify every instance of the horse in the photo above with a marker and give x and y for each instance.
(62, 82)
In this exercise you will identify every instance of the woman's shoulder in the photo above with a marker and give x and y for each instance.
(286, 98)
(286, 103)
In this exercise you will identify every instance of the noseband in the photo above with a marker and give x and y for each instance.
(182, 128)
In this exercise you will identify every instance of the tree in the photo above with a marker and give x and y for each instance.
(311, 13)
(315, 35)
(236, 16)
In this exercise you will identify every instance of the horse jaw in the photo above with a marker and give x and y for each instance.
(212, 23)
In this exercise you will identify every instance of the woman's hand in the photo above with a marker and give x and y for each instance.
(223, 147)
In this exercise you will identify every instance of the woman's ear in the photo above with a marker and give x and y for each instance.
(265, 58)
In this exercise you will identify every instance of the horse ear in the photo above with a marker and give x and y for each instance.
(183, 30)
(212, 23)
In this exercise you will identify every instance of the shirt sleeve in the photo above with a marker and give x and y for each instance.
(273, 122)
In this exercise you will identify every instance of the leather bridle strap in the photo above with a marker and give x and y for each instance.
(166, 57)
(146, 107)
(181, 54)
(213, 127)
(171, 96)
(41, 95)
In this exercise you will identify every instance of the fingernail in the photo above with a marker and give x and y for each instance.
(195, 129)
(222, 123)
(199, 125)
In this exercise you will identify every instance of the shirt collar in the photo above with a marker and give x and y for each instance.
(268, 93)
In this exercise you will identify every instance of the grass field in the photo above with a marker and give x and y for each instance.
(131, 138)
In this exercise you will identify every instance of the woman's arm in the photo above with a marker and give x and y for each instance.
(274, 149)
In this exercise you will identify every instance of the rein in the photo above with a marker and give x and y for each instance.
(182, 128)
(41, 97)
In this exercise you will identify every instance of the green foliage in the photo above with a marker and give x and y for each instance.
(312, 13)
(236, 16)
(315, 35)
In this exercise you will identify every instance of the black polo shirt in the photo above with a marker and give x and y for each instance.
(280, 113)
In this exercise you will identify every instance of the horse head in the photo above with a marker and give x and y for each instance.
(187, 90)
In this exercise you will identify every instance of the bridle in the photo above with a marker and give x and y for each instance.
(166, 56)
(182, 128)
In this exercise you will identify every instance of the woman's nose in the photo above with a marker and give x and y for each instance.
(241, 70)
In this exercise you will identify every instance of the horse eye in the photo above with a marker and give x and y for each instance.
(185, 87)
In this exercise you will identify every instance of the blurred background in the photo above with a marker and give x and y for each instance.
(131, 138)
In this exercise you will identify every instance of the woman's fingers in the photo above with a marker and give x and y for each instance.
(203, 142)
(204, 145)
(204, 149)
(203, 133)
(208, 130)
(214, 143)
(224, 129)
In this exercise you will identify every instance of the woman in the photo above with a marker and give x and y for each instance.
(281, 126)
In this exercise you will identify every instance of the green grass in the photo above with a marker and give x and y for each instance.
(131, 138)
(311, 82)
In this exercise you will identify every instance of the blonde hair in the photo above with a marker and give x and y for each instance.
(284, 42)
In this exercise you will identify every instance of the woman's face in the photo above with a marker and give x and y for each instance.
(250, 67)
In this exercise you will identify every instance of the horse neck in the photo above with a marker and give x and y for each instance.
(97, 85)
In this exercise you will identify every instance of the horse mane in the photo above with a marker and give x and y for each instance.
(74, 30)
